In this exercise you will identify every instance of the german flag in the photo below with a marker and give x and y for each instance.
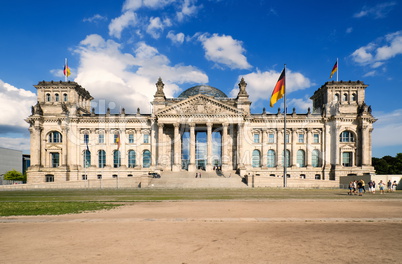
(334, 69)
(66, 70)
(279, 89)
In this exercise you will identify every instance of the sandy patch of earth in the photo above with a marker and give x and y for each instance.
(266, 231)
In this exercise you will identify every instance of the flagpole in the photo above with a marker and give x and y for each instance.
(65, 70)
(337, 70)
(284, 133)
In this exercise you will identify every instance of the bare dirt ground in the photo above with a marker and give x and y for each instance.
(266, 231)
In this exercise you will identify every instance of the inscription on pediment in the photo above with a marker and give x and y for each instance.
(199, 105)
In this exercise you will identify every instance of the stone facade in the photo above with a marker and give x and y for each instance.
(200, 129)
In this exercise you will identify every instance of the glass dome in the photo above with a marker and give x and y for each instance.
(202, 89)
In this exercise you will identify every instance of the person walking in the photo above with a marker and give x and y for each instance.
(394, 184)
(373, 187)
(381, 185)
(389, 186)
(370, 184)
(360, 187)
(350, 188)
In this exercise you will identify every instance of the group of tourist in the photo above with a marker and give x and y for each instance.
(359, 187)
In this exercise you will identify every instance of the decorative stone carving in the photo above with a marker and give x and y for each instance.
(159, 88)
(242, 87)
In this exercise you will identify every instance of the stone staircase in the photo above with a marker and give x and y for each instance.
(185, 179)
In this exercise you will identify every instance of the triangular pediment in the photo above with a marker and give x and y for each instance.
(200, 105)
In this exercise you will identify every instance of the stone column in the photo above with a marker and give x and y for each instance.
(264, 142)
(160, 145)
(64, 160)
(123, 151)
(240, 154)
(36, 145)
(153, 141)
(293, 151)
(279, 149)
(138, 153)
(176, 148)
(209, 147)
(309, 148)
(225, 155)
(192, 166)
(364, 146)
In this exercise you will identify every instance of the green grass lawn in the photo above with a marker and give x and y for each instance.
(54, 202)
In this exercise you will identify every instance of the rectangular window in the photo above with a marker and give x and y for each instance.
(49, 178)
(86, 138)
(301, 138)
(256, 138)
(84, 177)
(55, 159)
(287, 138)
(316, 138)
(146, 138)
(101, 159)
(271, 138)
(101, 139)
(131, 138)
(347, 159)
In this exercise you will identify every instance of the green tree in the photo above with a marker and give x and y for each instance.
(388, 164)
(380, 165)
(14, 175)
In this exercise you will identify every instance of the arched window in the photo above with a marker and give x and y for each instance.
(87, 158)
(336, 98)
(345, 97)
(116, 159)
(101, 158)
(146, 159)
(56, 97)
(55, 137)
(354, 97)
(301, 157)
(131, 158)
(271, 158)
(256, 159)
(65, 97)
(347, 136)
(287, 161)
(315, 158)
(48, 97)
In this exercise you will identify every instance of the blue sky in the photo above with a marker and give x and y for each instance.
(118, 49)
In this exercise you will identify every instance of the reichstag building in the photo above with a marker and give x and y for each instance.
(200, 130)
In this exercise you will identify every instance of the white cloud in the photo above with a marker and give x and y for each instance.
(224, 50)
(260, 85)
(388, 129)
(349, 30)
(156, 26)
(132, 5)
(370, 74)
(118, 24)
(15, 105)
(175, 38)
(379, 11)
(95, 18)
(129, 79)
(376, 53)
(188, 8)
